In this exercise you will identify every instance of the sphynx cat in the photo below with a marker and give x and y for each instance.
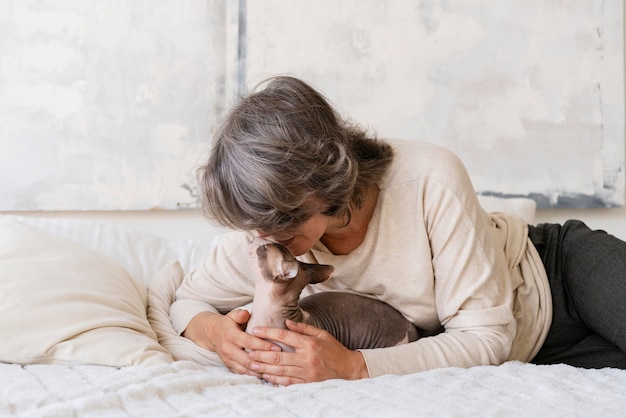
(355, 321)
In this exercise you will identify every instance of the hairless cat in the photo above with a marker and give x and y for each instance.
(356, 321)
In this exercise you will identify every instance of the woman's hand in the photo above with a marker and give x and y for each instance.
(318, 356)
(225, 335)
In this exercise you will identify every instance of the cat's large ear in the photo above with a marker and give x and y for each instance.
(276, 264)
(287, 270)
(317, 273)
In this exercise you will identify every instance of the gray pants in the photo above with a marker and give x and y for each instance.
(587, 274)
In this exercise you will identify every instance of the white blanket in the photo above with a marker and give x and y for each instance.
(186, 389)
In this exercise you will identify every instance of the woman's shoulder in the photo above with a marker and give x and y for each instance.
(233, 242)
(421, 160)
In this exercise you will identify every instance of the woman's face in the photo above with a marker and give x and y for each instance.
(302, 239)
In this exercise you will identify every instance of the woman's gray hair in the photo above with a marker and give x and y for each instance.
(282, 155)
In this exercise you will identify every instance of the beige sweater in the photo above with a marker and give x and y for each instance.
(431, 252)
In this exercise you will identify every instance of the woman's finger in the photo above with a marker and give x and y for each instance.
(240, 316)
(278, 372)
(296, 338)
(305, 329)
(251, 342)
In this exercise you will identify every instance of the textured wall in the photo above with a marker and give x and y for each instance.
(108, 105)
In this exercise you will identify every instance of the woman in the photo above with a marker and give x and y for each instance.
(399, 221)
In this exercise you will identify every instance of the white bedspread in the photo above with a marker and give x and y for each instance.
(186, 389)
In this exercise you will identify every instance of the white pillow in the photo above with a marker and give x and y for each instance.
(140, 253)
(62, 303)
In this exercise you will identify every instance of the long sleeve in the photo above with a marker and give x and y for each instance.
(473, 292)
(224, 282)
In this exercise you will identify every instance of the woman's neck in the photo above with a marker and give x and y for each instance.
(341, 239)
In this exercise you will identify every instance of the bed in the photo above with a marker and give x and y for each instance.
(86, 333)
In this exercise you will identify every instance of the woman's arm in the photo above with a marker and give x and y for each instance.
(473, 293)
(221, 284)
(224, 335)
